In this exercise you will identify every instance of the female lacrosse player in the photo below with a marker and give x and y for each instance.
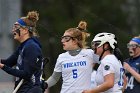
(132, 66)
(27, 57)
(109, 77)
(75, 65)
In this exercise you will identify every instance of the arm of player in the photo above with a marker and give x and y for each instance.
(132, 71)
(53, 79)
(108, 83)
(30, 64)
(11, 60)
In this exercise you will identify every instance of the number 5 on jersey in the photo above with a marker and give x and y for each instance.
(74, 71)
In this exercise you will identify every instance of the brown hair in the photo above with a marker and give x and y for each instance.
(80, 33)
(31, 21)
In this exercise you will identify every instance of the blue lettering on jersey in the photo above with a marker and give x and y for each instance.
(74, 64)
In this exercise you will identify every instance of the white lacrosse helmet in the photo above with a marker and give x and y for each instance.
(105, 37)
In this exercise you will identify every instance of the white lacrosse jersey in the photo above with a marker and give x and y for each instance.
(76, 70)
(110, 64)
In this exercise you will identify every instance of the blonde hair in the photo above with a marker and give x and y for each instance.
(80, 33)
(31, 21)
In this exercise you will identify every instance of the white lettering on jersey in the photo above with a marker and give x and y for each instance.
(130, 82)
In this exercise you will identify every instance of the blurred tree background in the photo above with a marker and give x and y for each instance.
(120, 17)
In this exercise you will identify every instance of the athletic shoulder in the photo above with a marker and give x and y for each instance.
(31, 44)
(91, 54)
(110, 59)
(63, 56)
(87, 51)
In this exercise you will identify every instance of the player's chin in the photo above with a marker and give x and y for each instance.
(65, 48)
(131, 54)
(15, 38)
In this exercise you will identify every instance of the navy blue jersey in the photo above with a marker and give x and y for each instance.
(27, 59)
(133, 86)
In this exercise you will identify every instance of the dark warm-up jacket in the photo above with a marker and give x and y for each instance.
(27, 60)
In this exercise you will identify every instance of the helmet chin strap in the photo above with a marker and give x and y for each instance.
(103, 52)
(95, 50)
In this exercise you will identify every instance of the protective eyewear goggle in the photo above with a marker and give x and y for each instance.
(95, 44)
(16, 26)
(66, 38)
(132, 45)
